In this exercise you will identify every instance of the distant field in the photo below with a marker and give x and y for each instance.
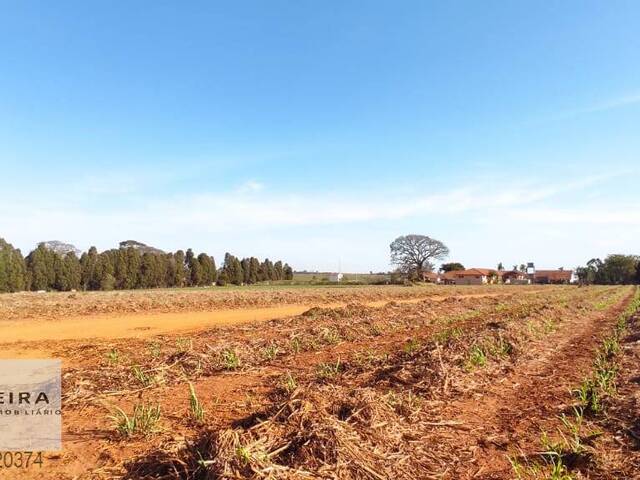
(55, 305)
(318, 277)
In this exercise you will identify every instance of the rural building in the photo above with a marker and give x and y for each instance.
(552, 276)
(514, 277)
(432, 277)
(449, 278)
(335, 277)
(473, 276)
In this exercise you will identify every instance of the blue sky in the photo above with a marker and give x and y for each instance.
(317, 132)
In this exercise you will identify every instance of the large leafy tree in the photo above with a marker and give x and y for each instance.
(616, 269)
(414, 254)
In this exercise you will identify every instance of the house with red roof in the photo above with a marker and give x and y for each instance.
(473, 276)
(514, 277)
(559, 276)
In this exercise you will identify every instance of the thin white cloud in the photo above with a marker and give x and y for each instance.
(602, 106)
(250, 186)
(209, 213)
(313, 229)
(619, 102)
(596, 216)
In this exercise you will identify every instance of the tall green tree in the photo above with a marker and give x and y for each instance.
(254, 268)
(267, 270)
(195, 269)
(121, 269)
(38, 265)
(88, 263)
(13, 272)
(207, 267)
(278, 271)
(237, 275)
(180, 275)
(288, 272)
(232, 269)
(170, 270)
(127, 267)
(134, 268)
(73, 271)
(103, 274)
(245, 263)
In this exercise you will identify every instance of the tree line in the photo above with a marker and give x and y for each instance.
(614, 270)
(128, 268)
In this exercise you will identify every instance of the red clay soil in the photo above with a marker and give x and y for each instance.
(62, 305)
(508, 415)
(618, 447)
(501, 413)
(478, 434)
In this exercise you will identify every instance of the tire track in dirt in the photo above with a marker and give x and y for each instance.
(513, 411)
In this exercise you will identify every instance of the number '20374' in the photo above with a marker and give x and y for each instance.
(20, 459)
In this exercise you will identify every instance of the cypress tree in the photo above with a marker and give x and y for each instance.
(254, 267)
(269, 272)
(51, 258)
(214, 271)
(188, 260)
(170, 270)
(227, 266)
(88, 264)
(163, 265)
(262, 272)
(277, 270)
(127, 268)
(205, 269)
(121, 270)
(238, 275)
(13, 273)
(288, 272)
(195, 270)
(179, 278)
(246, 270)
(37, 264)
(134, 267)
(103, 278)
(61, 280)
(146, 271)
(72, 270)
(222, 278)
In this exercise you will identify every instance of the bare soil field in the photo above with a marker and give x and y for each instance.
(364, 383)
(56, 305)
